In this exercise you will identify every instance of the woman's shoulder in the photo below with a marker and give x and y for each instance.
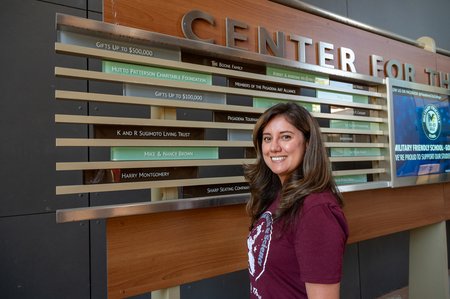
(325, 199)
(324, 210)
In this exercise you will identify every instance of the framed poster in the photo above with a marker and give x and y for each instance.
(419, 130)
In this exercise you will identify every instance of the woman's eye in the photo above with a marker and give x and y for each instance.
(267, 139)
(286, 137)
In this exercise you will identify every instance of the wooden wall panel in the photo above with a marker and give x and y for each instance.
(156, 251)
(150, 252)
(165, 17)
(375, 213)
(443, 63)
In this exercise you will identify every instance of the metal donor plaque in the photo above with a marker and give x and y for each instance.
(141, 132)
(104, 176)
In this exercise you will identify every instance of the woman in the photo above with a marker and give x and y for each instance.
(298, 230)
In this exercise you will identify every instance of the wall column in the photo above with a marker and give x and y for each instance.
(164, 194)
(428, 273)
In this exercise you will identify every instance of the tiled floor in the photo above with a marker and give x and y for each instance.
(399, 294)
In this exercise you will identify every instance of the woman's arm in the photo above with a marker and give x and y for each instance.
(322, 291)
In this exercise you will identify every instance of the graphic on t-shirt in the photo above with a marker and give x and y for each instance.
(258, 244)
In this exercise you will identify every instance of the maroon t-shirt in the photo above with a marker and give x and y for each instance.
(282, 260)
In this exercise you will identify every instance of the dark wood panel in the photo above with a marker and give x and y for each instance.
(443, 64)
(151, 252)
(375, 213)
(165, 17)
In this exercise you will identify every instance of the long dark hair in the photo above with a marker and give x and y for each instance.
(312, 175)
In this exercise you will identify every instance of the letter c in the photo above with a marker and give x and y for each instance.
(188, 20)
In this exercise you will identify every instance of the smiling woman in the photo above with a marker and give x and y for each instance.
(298, 231)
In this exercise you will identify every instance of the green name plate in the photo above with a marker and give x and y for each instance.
(113, 67)
(350, 179)
(163, 153)
(353, 124)
(344, 97)
(267, 103)
(355, 151)
(296, 75)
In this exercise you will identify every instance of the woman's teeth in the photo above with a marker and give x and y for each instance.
(277, 158)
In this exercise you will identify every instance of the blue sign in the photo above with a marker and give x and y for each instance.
(421, 128)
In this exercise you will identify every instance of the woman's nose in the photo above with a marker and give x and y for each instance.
(275, 145)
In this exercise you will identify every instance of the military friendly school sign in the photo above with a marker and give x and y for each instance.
(420, 129)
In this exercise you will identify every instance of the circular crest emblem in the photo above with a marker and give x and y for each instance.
(431, 122)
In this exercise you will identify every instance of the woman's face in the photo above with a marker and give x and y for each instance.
(283, 146)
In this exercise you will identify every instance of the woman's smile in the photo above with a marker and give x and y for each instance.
(278, 158)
